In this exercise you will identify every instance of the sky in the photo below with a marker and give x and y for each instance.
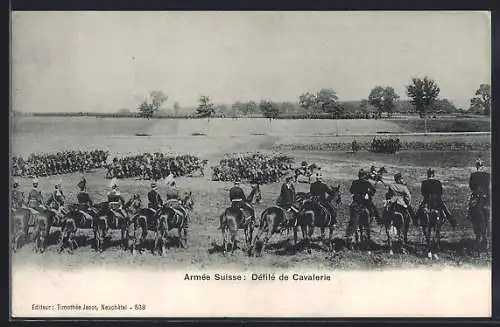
(105, 61)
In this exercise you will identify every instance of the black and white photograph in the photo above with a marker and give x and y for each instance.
(247, 164)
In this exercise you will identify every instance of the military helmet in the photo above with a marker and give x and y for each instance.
(398, 177)
(430, 172)
(361, 173)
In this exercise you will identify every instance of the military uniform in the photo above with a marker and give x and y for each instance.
(318, 190)
(432, 192)
(479, 184)
(155, 200)
(17, 199)
(35, 199)
(115, 196)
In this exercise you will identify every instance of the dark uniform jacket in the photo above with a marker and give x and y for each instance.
(155, 200)
(431, 187)
(361, 187)
(84, 199)
(236, 192)
(287, 196)
(320, 190)
(479, 183)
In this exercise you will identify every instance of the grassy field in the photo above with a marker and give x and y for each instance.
(452, 165)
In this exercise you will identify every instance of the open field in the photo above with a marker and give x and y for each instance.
(453, 166)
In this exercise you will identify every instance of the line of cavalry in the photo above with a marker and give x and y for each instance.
(307, 211)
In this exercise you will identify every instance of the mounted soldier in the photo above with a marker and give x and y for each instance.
(399, 195)
(239, 200)
(84, 201)
(155, 201)
(57, 197)
(479, 184)
(35, 201)
(319, 191)
(432, 193)
(286, 198)
(35, 198)
(116, 201)
(17, 197)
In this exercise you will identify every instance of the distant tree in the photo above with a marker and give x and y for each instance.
(423, 92)
(326, 101)
(481, 102)
(206, 108)
(177, 107)
(364, 106)
(269, 109)
(307, 101)
(384, 99)
(149, 108)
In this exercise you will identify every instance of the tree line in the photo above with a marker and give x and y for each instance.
(423, 96)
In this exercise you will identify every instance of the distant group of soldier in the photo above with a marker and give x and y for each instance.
(256, 168)
(64, 162)
(386, 145)
(155, 166)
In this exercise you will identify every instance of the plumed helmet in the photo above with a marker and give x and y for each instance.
(430, 172)
(479, 162)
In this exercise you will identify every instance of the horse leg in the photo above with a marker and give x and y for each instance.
(310, 232)
(331, 247)
(437, 242)
(389, 239)
(322, 237)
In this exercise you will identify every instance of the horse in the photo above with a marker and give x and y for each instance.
(235, 218)
(314, 214)
(359, 225)
(143, 221)
(74, 220)
(480, 219)
(173, 214)
(68, 232)
(20, 223)
(396, 220)
(107, 219)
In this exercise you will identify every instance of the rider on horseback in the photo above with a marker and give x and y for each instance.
(17, 197)
(239, 200)
(362, 193)
(286, 198)
(479, 184)
(318, 191)
(399, 196)
(155, 201)
(84, 201)
(35, 199)
(57, 197)
(432, 192)
(115, 198)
